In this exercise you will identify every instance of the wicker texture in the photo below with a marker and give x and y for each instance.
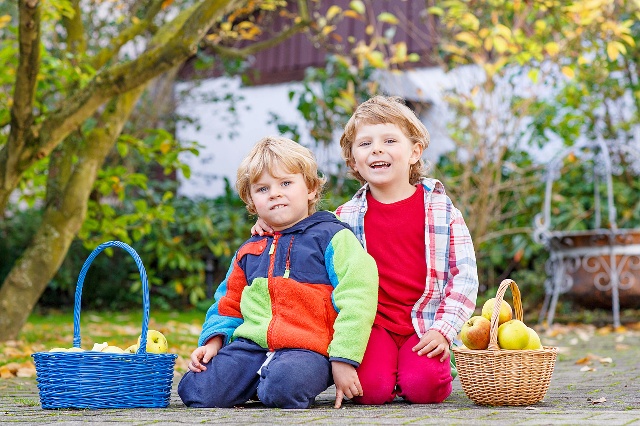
(93, 379)
(505, 377)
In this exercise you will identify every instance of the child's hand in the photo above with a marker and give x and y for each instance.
(203, 354)
(346, 380)
(433, 344)
(261, 228)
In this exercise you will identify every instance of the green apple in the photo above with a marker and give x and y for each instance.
(132, 349)
(156, 342)
(513, 334)
(475, 332)
(534, 340)
(113, 350)
(506, 313)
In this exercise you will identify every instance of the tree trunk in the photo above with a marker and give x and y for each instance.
(61, 222)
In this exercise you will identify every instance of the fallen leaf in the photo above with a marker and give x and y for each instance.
(598, 401)
(531, 408)
(12, 367)
(585, 360)
(606, 360)
(587, 368)
(5, 373)
(583, 335)
(26, 372)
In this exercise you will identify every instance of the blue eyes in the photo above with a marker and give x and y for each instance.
(387, 141)
(264, 189)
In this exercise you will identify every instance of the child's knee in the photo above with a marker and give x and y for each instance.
(284, 394)
(190, 392)
(376, 395)
(424, 392)
(195, 391)
(293, 379)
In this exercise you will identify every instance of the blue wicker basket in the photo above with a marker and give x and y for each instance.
(92, 379)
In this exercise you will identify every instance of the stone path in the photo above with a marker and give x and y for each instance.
(604, 390)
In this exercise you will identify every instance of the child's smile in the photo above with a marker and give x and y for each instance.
(383, 156)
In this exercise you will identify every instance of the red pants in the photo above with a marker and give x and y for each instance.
(390, 368)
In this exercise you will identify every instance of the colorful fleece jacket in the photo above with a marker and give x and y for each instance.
(311, 286)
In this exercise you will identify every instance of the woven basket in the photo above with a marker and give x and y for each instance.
(92, 379)
(505, 377)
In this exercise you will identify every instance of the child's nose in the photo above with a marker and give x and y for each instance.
(275, 193)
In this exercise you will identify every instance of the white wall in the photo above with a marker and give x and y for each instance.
(226, 138)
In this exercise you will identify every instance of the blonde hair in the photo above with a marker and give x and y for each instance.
(385, 110)
(270, 153)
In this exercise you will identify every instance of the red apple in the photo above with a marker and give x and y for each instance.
(475, 332)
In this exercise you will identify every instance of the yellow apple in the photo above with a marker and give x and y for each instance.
(513, 334)
(506, 313)
(113, 349)
(132, 349)
(58, 350)
(156, 342)
(534, 340)
(475, 332)
(99, 346)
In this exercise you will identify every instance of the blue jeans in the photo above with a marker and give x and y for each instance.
(292, 378)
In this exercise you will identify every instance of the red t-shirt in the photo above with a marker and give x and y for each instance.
(395, 236)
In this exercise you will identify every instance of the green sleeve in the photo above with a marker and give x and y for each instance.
(354, 276)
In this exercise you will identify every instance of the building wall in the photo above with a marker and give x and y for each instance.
(226, 138)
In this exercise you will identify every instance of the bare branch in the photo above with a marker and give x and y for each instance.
(509, 231)
(128, 34)
(252, 49)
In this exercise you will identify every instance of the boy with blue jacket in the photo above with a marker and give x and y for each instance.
(295, 311)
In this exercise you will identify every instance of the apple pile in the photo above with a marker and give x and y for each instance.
(156, 344)
(512, 333)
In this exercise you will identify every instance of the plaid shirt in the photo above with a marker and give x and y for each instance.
(451, 287)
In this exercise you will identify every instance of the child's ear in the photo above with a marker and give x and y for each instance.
(416, 153)
(312, 195)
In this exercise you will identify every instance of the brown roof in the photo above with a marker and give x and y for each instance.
(288, 60)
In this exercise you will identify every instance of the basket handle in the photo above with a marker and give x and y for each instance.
(517, 306)
(145, 292)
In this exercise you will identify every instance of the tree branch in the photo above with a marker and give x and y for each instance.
(510, 231)
(128, 34)
(24, 91)
(76, 39)
(173, 44)
(243, 52)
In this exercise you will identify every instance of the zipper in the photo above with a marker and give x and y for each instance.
(287, 267)
(270, 286)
